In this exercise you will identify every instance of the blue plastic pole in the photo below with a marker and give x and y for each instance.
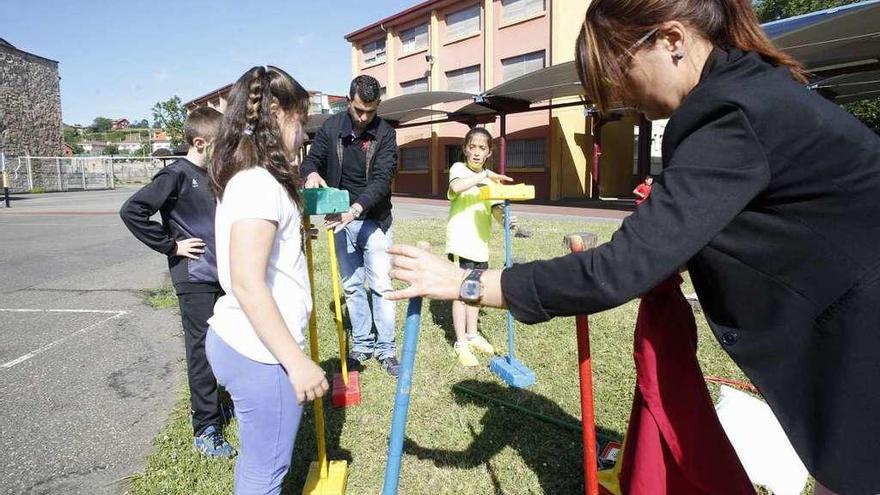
(401, 400)
(508, 262)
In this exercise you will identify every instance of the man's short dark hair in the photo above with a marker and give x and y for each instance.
(203, 122)
(366, 87)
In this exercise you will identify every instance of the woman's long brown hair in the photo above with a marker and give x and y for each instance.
(249, 134)
(613, 27)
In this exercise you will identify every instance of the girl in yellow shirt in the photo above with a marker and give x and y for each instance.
(468, 231)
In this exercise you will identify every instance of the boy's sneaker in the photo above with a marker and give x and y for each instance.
(356, 360)
(211, 443)
(465, 356)
(481, 344)
(390, 365)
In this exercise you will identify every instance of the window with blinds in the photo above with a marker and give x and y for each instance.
(466, 80)
(374, 52)
(414, 39)
(462, 23)
(520, 65)
(414, 159)
(414, 86)
(525, 153)
(514, 10)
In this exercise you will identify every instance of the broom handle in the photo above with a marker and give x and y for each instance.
(313, 347)
(401, 400)
(337, 303)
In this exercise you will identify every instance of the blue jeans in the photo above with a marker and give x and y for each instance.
(361, 249)
(267, 413)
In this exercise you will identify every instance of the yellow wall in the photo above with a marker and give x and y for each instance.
(572, 142)
(617, 163)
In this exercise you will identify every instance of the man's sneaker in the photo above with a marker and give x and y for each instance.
(481, 344)
(357, 359)
(390, 365)
(211, 443)
(465, 356)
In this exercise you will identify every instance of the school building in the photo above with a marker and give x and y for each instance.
(472, 46)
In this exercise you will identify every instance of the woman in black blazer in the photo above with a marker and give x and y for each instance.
(771, 197)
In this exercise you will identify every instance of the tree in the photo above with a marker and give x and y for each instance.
(140, 124)
(170, 115)
(101, 124)
(868, 111)
(78, 150)
(111, 149)
(145, 150)
(71, 136)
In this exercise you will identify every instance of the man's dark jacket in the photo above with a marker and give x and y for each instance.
(771, 196)
(325, 157)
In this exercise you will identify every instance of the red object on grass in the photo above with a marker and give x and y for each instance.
(346, 396)
(675, 444)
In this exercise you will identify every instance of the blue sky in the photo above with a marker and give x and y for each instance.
(118, 58)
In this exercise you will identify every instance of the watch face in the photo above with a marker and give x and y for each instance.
(470, 290)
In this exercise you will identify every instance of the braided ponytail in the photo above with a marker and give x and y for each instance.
(250, 135)
(254, 100)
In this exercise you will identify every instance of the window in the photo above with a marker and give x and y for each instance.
(414, 39)
(525, 153)
(520, 65)
(454, 154)
(414, 86)
(466, 80)
(462, 23)
(374, 52)
(514, 10)
(414, 159)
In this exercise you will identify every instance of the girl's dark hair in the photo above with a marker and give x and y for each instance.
(613, 27)
(477, 131)
(249, 134)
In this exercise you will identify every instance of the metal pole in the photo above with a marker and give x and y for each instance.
(82, 169)
(58, 169)
(5, 178)
(112, 179)
(30, 173)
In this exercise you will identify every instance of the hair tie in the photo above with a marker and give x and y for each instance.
(249, 130)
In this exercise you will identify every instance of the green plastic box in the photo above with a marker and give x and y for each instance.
(325, 200)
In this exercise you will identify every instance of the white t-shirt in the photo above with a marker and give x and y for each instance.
(254, 193)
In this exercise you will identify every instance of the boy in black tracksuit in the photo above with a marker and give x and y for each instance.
(181, 194)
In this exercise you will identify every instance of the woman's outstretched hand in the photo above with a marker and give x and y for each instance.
(428, 275)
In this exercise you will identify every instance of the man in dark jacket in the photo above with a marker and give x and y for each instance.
(356, 151)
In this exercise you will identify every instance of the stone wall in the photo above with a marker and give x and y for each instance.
(30, 104)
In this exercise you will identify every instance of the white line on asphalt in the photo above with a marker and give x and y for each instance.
(29, 310)
(115, 314)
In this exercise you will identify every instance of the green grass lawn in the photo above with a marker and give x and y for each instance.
(456, 443)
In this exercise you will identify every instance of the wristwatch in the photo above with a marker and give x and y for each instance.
(471, 291)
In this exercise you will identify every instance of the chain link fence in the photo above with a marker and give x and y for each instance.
(35, 174)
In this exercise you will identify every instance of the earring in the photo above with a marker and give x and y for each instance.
(678, 56)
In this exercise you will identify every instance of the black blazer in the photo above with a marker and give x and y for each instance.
(771, 196)
(325, 157)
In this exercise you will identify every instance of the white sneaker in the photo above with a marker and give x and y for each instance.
(481, 344)
(465, 356)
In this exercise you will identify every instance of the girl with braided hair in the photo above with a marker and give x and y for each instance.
(256, 337)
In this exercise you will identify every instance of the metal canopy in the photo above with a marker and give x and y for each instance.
(400, 105)
(832, 41)
(848, 88)
(556, 81)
